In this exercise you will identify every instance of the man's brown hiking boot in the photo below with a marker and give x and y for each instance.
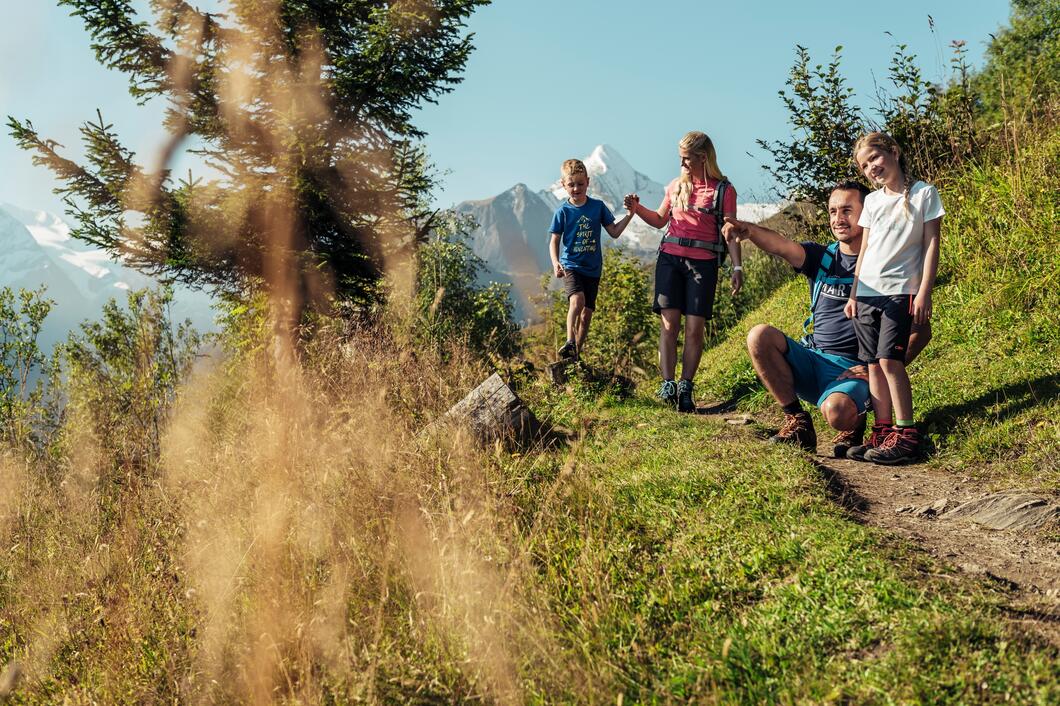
(902, 445)
(879, 432)
(798, 430)
(845, 440)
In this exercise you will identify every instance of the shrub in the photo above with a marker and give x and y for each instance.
(29, 409)
(452, 306)
(624, 330)
(124, 373)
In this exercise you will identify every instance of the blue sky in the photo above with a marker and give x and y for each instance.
(549, 79)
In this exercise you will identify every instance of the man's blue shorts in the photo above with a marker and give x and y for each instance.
(815, 375)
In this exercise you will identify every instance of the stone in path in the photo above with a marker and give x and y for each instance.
(492, 411)
(1007, 510)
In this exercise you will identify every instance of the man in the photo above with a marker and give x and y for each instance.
(824, 368)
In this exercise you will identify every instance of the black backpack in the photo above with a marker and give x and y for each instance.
(718, 248)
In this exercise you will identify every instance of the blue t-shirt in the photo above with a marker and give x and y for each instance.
(579, 229)
(833, 332)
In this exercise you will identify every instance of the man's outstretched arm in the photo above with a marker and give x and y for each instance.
(768, 240)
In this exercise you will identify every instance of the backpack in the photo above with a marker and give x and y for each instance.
(820, 279)
(717, 208)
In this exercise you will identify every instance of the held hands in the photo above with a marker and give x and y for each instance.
(734, 231)
(922, 308)
(631, 202)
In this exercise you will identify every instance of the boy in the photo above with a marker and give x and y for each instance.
(576, 227)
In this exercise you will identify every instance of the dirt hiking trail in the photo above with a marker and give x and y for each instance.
(1010, 538)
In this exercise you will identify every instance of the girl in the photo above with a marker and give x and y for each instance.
(686, 272)
(892, 289)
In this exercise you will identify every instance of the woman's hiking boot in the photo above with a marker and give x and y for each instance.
(668, 392)
(798, 430)
(569, 351)
(876, 437)
(685, 403)
(845, 440)
(902, 445)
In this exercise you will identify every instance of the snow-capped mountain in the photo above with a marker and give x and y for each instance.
(512, 236)
(38, 250)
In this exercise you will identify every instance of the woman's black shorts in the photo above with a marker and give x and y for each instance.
(685, 284)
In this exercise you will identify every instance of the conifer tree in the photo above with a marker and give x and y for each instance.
(303, 111)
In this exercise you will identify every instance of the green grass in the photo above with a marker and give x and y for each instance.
(686, 559)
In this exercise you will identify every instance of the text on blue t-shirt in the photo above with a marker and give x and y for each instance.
(579, 229)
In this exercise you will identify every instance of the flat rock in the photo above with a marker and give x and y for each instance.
(1007, 510)
(935, 509)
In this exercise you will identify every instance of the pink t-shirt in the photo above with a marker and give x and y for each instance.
(695, 224)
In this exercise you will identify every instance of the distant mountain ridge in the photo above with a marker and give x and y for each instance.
(39, 251)
(512, 232)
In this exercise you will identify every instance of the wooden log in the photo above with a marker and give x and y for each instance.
(557, 372)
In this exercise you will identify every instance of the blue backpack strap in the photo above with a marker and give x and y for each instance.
(827, 257)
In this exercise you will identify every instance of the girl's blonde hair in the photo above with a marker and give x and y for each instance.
(700, 145)
(883, 141)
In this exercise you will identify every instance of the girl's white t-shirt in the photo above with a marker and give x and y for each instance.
(893, 261)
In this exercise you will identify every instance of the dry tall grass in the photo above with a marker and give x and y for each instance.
(297, 540)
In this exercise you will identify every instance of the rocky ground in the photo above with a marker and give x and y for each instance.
(1010, 537)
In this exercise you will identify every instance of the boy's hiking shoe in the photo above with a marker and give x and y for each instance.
(876, 437)
(845, 440)
(797, 430)
(685, 403)
(569, 351)
(668, 392)
(902, 445)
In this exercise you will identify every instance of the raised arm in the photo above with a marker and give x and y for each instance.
(767, 240)
(656, 219)
(615, 229)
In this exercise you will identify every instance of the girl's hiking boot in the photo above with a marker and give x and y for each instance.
(685, 403)
(902, 445)
(569, 351)
(846, 440)
(797, 430)
(668, 392)
(876, 437)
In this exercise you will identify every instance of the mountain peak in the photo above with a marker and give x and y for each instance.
(605, 158)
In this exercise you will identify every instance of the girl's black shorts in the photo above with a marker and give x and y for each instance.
(882, 326)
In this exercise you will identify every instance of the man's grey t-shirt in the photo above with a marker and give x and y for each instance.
(833, 332)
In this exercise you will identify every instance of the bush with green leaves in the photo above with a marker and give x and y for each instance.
(124, 373)
(623, 332)
(452, 306)
(825, 123)
(29, 409)
(1022, 72)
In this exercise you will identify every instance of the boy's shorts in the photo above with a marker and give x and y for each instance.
(816, 372)
(882, 327)
(686, 284)
(574, 282)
